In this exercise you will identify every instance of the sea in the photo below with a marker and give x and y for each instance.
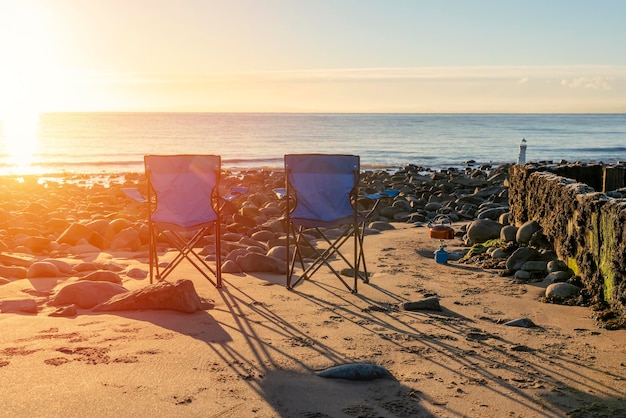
(107, 143)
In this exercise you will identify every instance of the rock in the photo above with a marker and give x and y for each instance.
(508, 233)
(430, 304)
(102, 276)
(526, 231)
(37, 244)
(263, 236)
(65, 311)
(482, 230)
(254, 262)
(534, 265)
(499, 253)
(18, 305)
(279, 253)
(86, 294)
(562, 291)
(15, 260)
(64, 267)
(42, 269)
(558, 276)
(521, 322)
(522, 275)
(381, 226)
(556, 265)
(13, 272)
(519, 257)
(126, 239)
(492, 213)
(75, 233)
(230, 266)
(179, 296)
(356, 371)
(137, 273)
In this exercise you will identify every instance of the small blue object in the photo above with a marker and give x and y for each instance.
(441, 256)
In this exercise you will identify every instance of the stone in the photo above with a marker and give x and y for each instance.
(42, 269)
(521, 322)
(102, 276)
(492, 213)
(16, 272)
(137, 273)
(126, 239)
(482, 230)
(18, 305)
(37, 244)
(429, 304)
(75, 233)
(64, 267)
(179, 296)
(65, 311)
(534, 265)
(508, 233)
(526, 231)
(381, 226)
(356, 371)
(230, 266)
(519, 257)
(522, 275)
(86, 294)
(558, 276)
(562, 291)
(279, 253)
(556, 265)
(253, 262)
(263, 235)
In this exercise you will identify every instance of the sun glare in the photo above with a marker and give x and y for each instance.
(19, 136)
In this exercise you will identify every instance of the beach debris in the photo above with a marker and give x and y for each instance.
(429, 304)
(521, 322)
(178, 296)
(355, 371)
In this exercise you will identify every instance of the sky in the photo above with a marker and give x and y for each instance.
(410, 56)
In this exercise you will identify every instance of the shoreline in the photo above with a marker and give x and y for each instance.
(258, 350)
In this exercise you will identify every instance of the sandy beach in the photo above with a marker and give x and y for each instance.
(258, 351)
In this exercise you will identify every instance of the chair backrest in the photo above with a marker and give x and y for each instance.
(184, 186)
(323, 184)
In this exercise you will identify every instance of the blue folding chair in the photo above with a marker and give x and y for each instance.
(321, 191)
(184, 209)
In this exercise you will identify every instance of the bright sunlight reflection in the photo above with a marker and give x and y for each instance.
(20, 141)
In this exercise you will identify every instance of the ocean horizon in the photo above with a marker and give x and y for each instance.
(115, 142)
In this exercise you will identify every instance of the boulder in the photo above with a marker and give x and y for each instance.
(519, 257)
(102, 276)
(86, 294)
(42, 269)
(178, 296)
(482, 230)
(562, 291)
(526, 231)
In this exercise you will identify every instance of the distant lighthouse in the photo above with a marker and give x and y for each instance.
(521, 158)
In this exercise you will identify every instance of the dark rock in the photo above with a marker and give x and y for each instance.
(178, 296)
(482, 230)
(430, 304)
